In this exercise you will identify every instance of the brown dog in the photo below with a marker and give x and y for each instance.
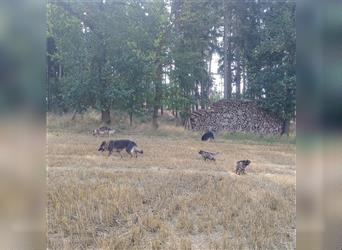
(241, 166)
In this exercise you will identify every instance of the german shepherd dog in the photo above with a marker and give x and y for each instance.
(207, 155)
(119, 145)
(207, 136)
(103, 131)
(241, 166)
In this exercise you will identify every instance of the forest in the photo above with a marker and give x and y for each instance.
(143, 57)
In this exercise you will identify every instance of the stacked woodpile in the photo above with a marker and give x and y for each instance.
(235, 116)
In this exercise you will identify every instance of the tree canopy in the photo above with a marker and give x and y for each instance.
(146, 56)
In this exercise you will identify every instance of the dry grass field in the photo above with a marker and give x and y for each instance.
(168, 198)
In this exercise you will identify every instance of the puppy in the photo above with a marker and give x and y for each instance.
(207, 136)
(103, 131)
(207, 155)
(241, 166)
(119, 145)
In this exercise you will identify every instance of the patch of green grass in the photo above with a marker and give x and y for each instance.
(249, 138)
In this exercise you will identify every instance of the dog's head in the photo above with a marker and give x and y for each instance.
(103, 146)
(201, 152)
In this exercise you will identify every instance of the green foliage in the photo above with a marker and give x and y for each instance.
(136, 55)
(272, 76)
(263, 45)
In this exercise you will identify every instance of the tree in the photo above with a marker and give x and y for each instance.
(227, 51)
(143, 56)
(194, 39)
(272, 78)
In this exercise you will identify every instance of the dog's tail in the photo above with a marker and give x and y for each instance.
(138, 150)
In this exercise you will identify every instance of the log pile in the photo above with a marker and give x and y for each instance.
(235, 116)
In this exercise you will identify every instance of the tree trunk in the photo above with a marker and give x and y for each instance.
(161, 110)
(157, 97)
(105, 108)
(286, 128)
(130, 118)
(197, 95)
(202, 100)
(60, 71)
(74, 115)
(105, 116)
(227, 53)
(48, 79)
(207, 89)
(155, 118)
(244, 73)
(158, 90)
(238, 79)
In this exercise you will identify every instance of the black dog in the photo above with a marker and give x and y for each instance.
(207, 155)
(241, 166)
(119, 145)
(208, 135)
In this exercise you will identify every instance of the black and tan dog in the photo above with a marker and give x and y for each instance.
(119, 145)
(241, 166)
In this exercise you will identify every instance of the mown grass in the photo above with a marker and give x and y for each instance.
(168, 198)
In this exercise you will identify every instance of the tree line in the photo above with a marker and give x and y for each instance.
(142, 56)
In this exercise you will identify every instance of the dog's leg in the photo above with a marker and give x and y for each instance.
(119, 151)
(110, 152)
(129, 152)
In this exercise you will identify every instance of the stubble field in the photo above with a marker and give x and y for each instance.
(168, 198)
